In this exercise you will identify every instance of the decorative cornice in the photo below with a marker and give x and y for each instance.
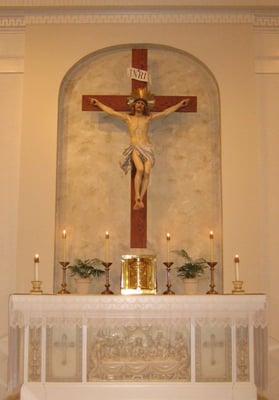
(252, 4)
(129, 15)
(11, 65)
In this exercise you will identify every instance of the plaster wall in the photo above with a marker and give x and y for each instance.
(267, 69)
(227, 51)
(11, 84)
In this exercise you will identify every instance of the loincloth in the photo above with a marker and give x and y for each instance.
(146, 153)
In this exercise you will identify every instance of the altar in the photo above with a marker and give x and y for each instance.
(136, 347)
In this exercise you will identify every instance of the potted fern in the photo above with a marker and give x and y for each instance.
(190, 271)
(84, 271)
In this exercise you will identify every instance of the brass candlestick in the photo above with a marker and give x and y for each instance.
(107, 284)
(36, 287)
(212, 285)
(168, 269)
(237, 287)
(65, 266)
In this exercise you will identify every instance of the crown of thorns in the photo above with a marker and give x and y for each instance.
(141, 94)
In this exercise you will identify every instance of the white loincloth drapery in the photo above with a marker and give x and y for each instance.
(146, 153)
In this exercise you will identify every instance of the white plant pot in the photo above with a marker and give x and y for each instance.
(83, 285)
(191, 286)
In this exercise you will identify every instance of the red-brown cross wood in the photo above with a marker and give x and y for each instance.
(138, 230)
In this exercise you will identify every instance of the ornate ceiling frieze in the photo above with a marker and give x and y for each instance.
(139, 3)
(22, 13)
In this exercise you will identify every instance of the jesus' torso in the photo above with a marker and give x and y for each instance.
(138, 128)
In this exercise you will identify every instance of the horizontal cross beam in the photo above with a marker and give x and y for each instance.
(119, 102)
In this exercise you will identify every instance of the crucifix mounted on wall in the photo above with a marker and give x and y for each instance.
(139, 155)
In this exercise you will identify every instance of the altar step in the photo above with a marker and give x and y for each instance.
(138, 391)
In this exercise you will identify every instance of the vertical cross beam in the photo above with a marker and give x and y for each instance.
(138, 220)
(138, 233)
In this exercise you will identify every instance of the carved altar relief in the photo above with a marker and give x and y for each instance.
(139, 352)
(140, 339)
(63, 354)
(34, 355)
(213, 353)
(242, 354)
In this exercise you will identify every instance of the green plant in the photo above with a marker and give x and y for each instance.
(87, 268)
(192, 268)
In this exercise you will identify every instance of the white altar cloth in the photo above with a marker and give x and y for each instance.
(86, 344)
(34, 310)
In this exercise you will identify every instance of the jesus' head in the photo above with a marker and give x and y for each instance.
(140, 106)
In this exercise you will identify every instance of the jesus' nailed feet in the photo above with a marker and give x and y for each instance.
(138, 204)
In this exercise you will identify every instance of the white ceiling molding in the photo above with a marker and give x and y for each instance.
(22, 16)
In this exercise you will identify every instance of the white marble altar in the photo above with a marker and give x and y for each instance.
(112, 346)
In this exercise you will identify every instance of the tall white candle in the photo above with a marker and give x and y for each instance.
(107, 247)
(211, 241)
(36, 267)
(168, 237)
(64, 238)
(236, 263)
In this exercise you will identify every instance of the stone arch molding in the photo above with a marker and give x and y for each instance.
(92, 192)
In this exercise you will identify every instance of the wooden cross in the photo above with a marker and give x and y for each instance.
(138, 231)
(212, 345)
(64, 345)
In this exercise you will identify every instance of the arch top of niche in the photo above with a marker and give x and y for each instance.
(129, 47)
(93, 194)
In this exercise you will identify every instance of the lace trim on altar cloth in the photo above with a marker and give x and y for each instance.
(79, 319)
(82, 310)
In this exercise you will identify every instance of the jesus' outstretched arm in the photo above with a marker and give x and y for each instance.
(109, 110)
(170, 110)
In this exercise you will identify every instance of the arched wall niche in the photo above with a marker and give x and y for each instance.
(93, 194)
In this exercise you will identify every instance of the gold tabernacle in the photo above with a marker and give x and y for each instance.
(138, 274)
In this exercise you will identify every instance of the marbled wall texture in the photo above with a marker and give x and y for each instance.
(93, 194)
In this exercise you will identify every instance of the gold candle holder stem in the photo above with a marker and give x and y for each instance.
(36, 287)
(107, 284)
(237, 287)
(65, 266)
(168, 270)
(212, 285)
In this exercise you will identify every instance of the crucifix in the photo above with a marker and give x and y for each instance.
(138, 231)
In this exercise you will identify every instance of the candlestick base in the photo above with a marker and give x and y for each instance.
(65, 266)
(107, 284)
(168, 291)
(212, 285)
(36, 287)
(237, 287)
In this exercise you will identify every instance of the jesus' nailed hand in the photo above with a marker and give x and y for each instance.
(140, 151)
